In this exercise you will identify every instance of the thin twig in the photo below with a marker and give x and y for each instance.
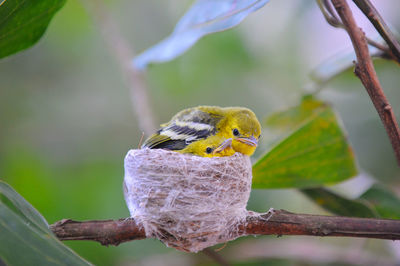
(123, 53)
(329, 14)
(215, 256)
(114, 232)
(364, 69)
(332, 18)
(381, 47)
(373, 15)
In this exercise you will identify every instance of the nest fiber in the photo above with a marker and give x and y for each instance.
(186, 201)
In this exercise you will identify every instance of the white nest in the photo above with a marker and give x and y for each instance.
(186, 201)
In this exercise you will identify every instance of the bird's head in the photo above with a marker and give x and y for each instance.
(245, 130)
(213, 146)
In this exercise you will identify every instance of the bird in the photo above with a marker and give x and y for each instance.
(213, 146)
(237, 125)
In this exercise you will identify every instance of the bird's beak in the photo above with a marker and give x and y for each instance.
(226, 144)
(251, 141)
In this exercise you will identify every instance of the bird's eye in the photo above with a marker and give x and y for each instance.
(209, 150)
(235, 132)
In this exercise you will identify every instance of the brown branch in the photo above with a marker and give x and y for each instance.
(123, 53)
(215, 256)
(333, 20)
(114, 232)
(286, 223)
(107, 232)
(373, 15)
(364, 69)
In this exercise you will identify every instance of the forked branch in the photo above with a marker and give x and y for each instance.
(380, 25)
(365, 70)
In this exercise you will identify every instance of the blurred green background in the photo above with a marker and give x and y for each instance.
(66, 118)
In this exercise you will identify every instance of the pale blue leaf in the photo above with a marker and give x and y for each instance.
(343, 60)
(204, 17)
(337, 64)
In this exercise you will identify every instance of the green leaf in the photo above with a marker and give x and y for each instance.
(294, 116)
(386, 203)
(19, 205)
(25, 238)
(377, 201)
(339, 205)
(314, 153)
(23, 22)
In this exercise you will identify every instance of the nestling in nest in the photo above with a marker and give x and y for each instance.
(193, 202)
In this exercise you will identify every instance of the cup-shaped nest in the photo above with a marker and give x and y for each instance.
(186, 201)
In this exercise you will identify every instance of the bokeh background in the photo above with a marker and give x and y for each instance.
(66, 119)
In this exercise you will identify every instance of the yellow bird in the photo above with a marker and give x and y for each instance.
(236, 125)
(213, 146)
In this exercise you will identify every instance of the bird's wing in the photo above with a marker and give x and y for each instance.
(184, 128)
(155, 140)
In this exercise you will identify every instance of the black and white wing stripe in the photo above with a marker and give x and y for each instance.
(186, 127)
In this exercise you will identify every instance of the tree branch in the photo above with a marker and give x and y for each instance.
(373, 15)
(332, 18)
(364, 69)
(107, 232)
(281, 222)
(286, 223)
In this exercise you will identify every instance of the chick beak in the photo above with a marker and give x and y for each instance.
(251, 141)
(226, 144)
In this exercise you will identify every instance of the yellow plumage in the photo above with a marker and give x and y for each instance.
(237, 126)
(213, 146)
